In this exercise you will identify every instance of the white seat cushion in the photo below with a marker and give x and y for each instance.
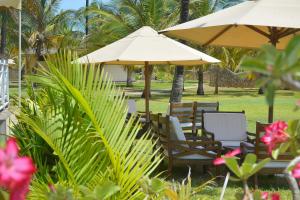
(195, 157)
(132, 106)
(276, 164)
(143, 120)
(229, 143)
(226, 126)
(186, 125)
(176, 130)
(198, 124)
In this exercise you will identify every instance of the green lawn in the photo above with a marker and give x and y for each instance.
(231, 99)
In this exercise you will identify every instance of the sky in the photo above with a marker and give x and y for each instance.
(75, 4)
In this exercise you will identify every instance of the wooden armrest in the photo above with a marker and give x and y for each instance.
(208, 134)
(247, 147)
(251, 137)
(207, 145)
(194, 137)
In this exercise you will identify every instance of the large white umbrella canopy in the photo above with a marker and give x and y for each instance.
(17, 4)
(146, 47)
(249, 25)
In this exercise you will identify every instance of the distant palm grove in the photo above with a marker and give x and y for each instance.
(47, 29)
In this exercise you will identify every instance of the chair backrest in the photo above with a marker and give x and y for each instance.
(226, 126)
(261, 148)
(204, 106)
(183, 111)
(131, 106)
(176, 132)
(169, 128)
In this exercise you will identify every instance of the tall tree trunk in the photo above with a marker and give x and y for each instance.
(39, 52)
(87, 4)
(3, 32)
(150, 75)
(200, 90)
(129, 77)
(177, 86)
(217, 81)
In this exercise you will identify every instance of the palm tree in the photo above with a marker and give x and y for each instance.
(41, 25)
(230, 60)
(200, 9)
(177, 86)
(125, 16)
(87, 4)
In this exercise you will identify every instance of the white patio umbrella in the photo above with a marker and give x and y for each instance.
(17, 4)
(146, 47)
(250, 25)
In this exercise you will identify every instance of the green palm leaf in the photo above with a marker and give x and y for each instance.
(85, 126)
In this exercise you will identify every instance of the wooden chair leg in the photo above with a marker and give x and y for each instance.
(218, 172)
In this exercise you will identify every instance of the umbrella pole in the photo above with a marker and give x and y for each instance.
(147, 91)
(271, 107)
(271, 113)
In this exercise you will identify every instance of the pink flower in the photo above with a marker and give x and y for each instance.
(296, 171)
(19, 193)
(220, 161)
(275, 196)
(15, 171)
(264, 195)
(275, 134)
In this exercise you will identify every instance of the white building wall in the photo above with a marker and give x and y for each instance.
(118, 73)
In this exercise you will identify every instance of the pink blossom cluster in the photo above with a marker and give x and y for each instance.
(15, 171)
(275, 134)
(274, 196)
(296, 171)
(221, 160)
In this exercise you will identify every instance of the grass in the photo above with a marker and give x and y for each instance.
(231, 99)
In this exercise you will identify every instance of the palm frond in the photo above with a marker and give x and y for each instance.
(78, 124)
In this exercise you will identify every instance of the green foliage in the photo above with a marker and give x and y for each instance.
(122, 17)
(60, 193)
(159, 189)
(101, 192)
(248, 168)
(73, 116)
(3, 195)
(273, 64)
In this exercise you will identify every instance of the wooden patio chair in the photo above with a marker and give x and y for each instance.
(140, 117)
(132, 110)
(199, 107)
(177, 150)
(230, 128)
(185, 114)
(260, 150)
